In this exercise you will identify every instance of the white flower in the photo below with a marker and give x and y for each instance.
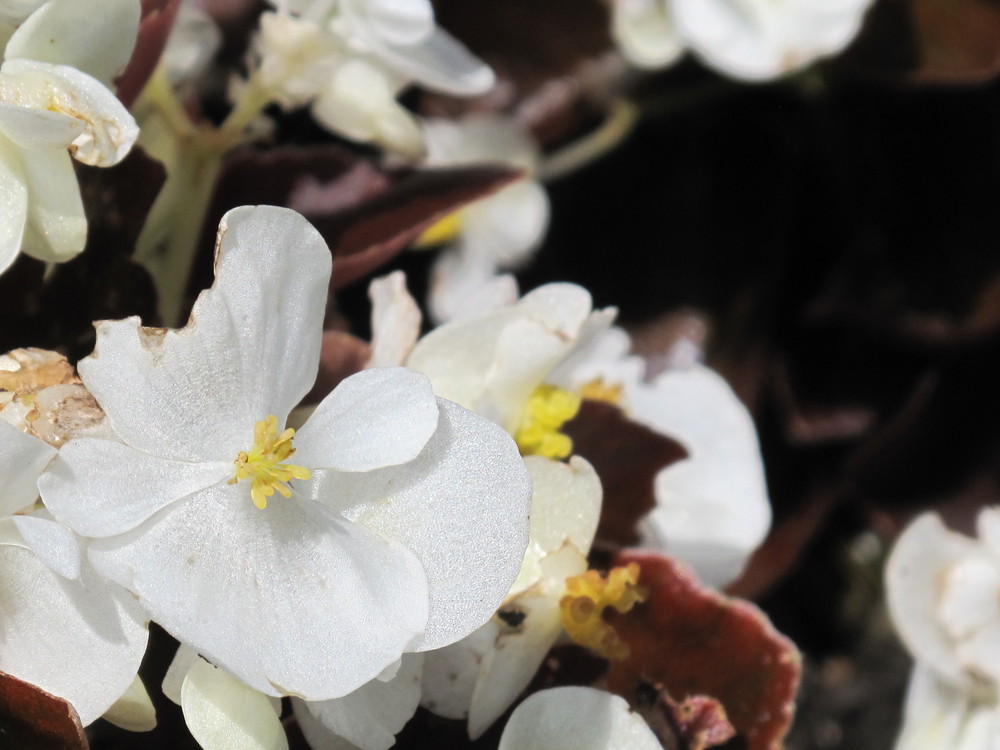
(498, 232)
(61, 627)
(353, 57)
(943, 590)
(399, 528)
(746, 39)
(54, 97)
(576, 718)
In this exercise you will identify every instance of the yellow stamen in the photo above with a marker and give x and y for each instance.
(598, 390)
(548, 409)
(443, 230)
(262, 465)
(588, 595)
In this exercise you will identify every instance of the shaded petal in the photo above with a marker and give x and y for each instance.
(31, 126)
(509, 226)
(13, 201)
(251, 347)
(184, 658)
(52, 543)
(80, 640)
(461, 507)
(134, 711)
(223, 713)
(289, 599)
(22, 459)
(442, 63)
(374, 418)
(552, 720)
(914, 575)
(95, 36)
(370, 717)
(108, 129)
(450, 673)
(57, 227)
(934, 713)
(102, 487)
(712, 508)
(645, 32)
(395, 21)
(395, 320)
(969, 595)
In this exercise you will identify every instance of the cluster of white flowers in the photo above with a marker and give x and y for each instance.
(747, 39)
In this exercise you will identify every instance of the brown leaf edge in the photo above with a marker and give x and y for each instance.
(32, 718)
(695, 641)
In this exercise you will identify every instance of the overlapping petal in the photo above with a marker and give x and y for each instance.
(13, 201)
(22, 458)
(57, 227)
(196, 393)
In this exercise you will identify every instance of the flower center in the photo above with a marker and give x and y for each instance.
(548, 409)
(588, 595)
(263, 464)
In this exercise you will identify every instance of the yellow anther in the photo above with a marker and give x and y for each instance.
(548, 409)
(443, 230)
(262, 465)
(588, 595)
(598, 390)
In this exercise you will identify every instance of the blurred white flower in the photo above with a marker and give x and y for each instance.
(351, 58)
(576, 718)
(54, 97)
(752, 40)
(315, 592)
(943, 590)
(499, 232)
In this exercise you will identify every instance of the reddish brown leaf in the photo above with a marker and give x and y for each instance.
(32, 718)
(341, 355)
(627, 456)
(154, 29)
(696, 723)
(696, 642)
(959, 40)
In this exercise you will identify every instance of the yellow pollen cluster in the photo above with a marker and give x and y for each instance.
(548, 409)
(588, 595)
(598, 390)
(262, 465)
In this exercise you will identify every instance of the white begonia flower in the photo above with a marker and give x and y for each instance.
(751, 40)
(576, 718)
(353, 57)
(400, 527)
(53, 97)
(498, 232)
(943, 590)
(62, 627)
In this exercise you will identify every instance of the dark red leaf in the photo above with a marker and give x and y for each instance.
(32, 718)
(154, 29)
(695, 641)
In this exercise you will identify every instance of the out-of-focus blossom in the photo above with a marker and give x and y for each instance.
(576, 718)
(497, 233)
(943, 590)
(304, 579)
(194, 40)
(54, 97)
(351, 58)
(747, 39)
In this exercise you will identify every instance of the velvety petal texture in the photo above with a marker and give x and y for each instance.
(576, 718)
(22, 459)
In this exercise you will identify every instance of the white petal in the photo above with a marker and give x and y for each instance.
(576, 718)
(81, 641)
(645, 32)
(95, 36)
(108, 129)
(371, 716)
(450, 673)
(395, 320)
(477, 138)
(394, 21)
(565, 508)
(31, 126)
(134, 711)
(914, 575)
(184, 658)
(461, 507)
(712, 508)
(509, 226)
(13, 201)
(57, 227)
(22, 459)
(103, 487)
(988, 528)
(510, 665)
(938, 715)
(464, 287)
(224, 714)
(442, 63)
(289, 599)
(372, 419)
(52, 543)
(969, 596)
(252, 348)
